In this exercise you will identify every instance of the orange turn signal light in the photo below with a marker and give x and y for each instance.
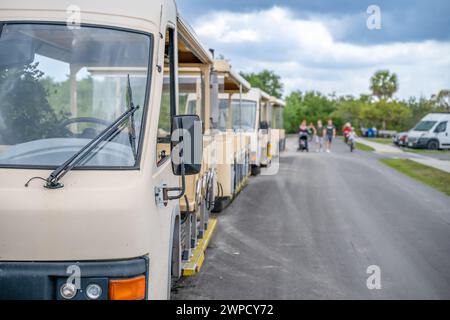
(127, 289)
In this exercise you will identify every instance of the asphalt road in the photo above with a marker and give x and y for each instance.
(312, 230)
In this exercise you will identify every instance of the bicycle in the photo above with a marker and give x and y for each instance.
(351, 143)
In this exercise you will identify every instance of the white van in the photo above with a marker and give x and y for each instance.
(432, 132)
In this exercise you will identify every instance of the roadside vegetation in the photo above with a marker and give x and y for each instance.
(377, 108)
(435, 178)
(267, 81)
(363, 147)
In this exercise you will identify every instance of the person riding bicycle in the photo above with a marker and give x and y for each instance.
(346, 131)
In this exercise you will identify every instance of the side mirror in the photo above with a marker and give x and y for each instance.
(186, 145)
(264, 125)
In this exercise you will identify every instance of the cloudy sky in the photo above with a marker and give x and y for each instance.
(325, 45)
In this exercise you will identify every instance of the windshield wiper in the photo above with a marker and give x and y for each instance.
(131, 126)
(62, 170)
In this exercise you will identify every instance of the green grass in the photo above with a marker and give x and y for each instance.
(363, 147)
(435, 178)
(381, 140)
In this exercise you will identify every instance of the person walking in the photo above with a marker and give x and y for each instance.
(303, 137)
(330, 134)
(311, 131)
(319, 136)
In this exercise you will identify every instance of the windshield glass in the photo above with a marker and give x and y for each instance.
(224, 113)
(425, 125)
(277, 118)
(244, 115)
(60, 87)
(190, 92)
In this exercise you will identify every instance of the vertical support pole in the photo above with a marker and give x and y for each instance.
(241, 142)
(199, 110)
(207, 97)
(230, 113)
(240, 106)
(73, 94)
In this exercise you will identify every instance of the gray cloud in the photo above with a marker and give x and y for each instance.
(309, 55)
(403, 20)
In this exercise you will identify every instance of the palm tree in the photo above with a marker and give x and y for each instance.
(383, 84)
(442, 99)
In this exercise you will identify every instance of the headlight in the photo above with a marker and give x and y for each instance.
(93, 291)
(68, 290)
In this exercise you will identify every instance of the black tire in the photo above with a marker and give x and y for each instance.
(210, 192)
(433, 145)
(256, 170)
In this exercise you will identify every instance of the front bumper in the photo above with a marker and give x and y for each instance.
(42, 280)
(418, 143)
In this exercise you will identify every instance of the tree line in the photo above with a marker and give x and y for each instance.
(378, 109)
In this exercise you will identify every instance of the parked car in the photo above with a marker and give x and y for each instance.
(386, 133)
(400, 138)
(363, 132)
(432, 132)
